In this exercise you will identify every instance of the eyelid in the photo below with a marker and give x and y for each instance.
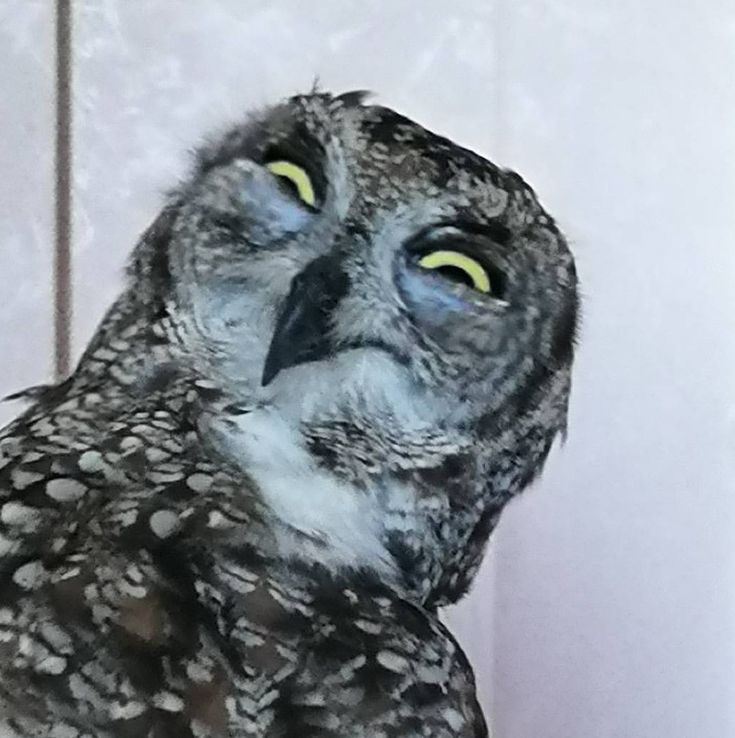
(468, 231)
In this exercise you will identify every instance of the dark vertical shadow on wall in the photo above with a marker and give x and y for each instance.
(62, 211)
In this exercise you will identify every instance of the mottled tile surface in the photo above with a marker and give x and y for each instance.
(26, 196)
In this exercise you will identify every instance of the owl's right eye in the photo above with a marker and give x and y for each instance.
(295, 178)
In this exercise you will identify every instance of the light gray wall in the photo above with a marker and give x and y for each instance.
(607, 606)
(615, 588)
(26, 196)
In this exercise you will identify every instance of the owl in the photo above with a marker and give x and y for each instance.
(344, 344)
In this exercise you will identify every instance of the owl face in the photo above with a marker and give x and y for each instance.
(331, 249)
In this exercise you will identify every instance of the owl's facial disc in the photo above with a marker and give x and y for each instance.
(349, 252)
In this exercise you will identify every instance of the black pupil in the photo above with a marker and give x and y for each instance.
(288, 185)
(456, 274)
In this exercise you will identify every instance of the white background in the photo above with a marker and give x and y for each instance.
(607, 606)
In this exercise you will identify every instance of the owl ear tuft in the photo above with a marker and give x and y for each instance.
(354, 98)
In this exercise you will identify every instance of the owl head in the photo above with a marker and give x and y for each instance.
(392, 314)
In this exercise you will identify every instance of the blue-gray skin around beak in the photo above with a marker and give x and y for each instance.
(302, 332)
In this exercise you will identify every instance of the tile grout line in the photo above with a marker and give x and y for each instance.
(62, 203)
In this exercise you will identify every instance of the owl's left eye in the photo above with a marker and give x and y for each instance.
(458, 267)
(296, 178)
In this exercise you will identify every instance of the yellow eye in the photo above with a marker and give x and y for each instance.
(297, 177)
(458, 267)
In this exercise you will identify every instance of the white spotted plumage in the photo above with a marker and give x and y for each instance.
(286, 445)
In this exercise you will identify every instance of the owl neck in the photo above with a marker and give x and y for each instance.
(417, 530)
(131, 357)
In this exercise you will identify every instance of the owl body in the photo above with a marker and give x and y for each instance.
(166, 607)
(345, 344)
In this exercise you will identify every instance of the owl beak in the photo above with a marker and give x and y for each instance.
(304, 325)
